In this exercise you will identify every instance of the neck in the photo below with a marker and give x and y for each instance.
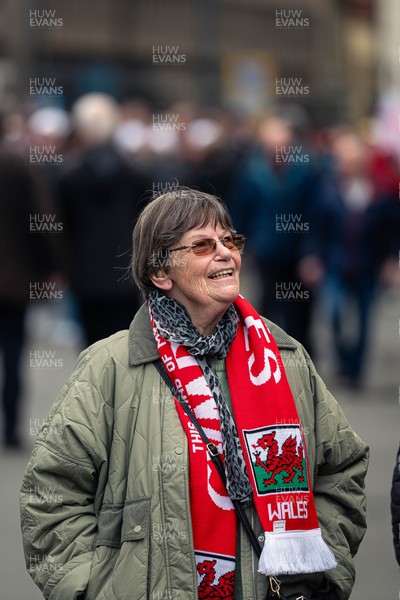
(206, 330)
(205, 326)
(205, 321)
(205, 318)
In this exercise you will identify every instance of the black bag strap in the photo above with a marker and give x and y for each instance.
(213, 452)
(274, 583)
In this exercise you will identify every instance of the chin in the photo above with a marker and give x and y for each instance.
(225, 294)
(229, 297)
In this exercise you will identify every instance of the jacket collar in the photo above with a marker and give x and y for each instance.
(142, 345)
(143, 348)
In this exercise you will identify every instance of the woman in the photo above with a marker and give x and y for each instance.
(137, 506)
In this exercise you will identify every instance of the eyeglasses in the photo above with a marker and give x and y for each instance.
(208, 245)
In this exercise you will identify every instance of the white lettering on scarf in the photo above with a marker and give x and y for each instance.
(198, 387)
(265, 373)
(182, 361)
(207, 409)
(195, 438)
(159, 341)
(288, 510)
(223, 502)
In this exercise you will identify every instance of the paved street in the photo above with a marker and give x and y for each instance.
(373, 412)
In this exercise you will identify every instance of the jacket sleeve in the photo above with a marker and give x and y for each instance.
(395, 507)
(60, 491)
(339, 490)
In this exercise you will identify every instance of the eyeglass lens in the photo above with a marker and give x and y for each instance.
(207, 246)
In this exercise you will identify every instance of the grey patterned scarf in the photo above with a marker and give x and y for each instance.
(174, 324)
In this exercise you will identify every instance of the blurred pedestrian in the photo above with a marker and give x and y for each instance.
(99, 193)
(358, 237)
(28, 256)
(273, 200)
(48, 130)
(385, 174)
(209, 159)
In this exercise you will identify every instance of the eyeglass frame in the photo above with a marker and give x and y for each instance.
(210, 247)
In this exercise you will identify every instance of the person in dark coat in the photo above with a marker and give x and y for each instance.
(210, 157)
(28, 257)
(360, 228)
(273, 200)
(395, 507)
(99, 194)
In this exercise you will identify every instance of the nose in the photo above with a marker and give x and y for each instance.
(222, 252)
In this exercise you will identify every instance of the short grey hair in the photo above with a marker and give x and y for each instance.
(162, 223)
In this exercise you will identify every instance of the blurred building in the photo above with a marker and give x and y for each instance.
(243, 54)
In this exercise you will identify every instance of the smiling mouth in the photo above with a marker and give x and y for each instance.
(222, 274)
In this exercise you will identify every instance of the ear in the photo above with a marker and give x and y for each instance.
(161, 280)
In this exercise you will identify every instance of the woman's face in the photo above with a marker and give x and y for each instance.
(205, 285)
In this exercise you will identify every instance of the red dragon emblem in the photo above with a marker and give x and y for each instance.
(289, 460)
(207, 587)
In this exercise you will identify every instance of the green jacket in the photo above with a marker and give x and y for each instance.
(105, 503)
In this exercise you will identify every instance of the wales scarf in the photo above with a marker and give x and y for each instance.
(271, 441)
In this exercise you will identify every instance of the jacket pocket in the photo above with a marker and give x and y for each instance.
(110, 525)
(119, 568)
(120, 523)
(136, 517)
(130, 578)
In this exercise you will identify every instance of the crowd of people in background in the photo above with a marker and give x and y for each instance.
(319, 209)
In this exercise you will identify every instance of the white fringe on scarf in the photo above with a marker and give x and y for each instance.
(292, 552)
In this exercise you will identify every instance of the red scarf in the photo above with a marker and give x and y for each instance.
(274, 450)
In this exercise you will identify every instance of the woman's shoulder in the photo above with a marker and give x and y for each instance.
(282, 339)
(115, 347)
